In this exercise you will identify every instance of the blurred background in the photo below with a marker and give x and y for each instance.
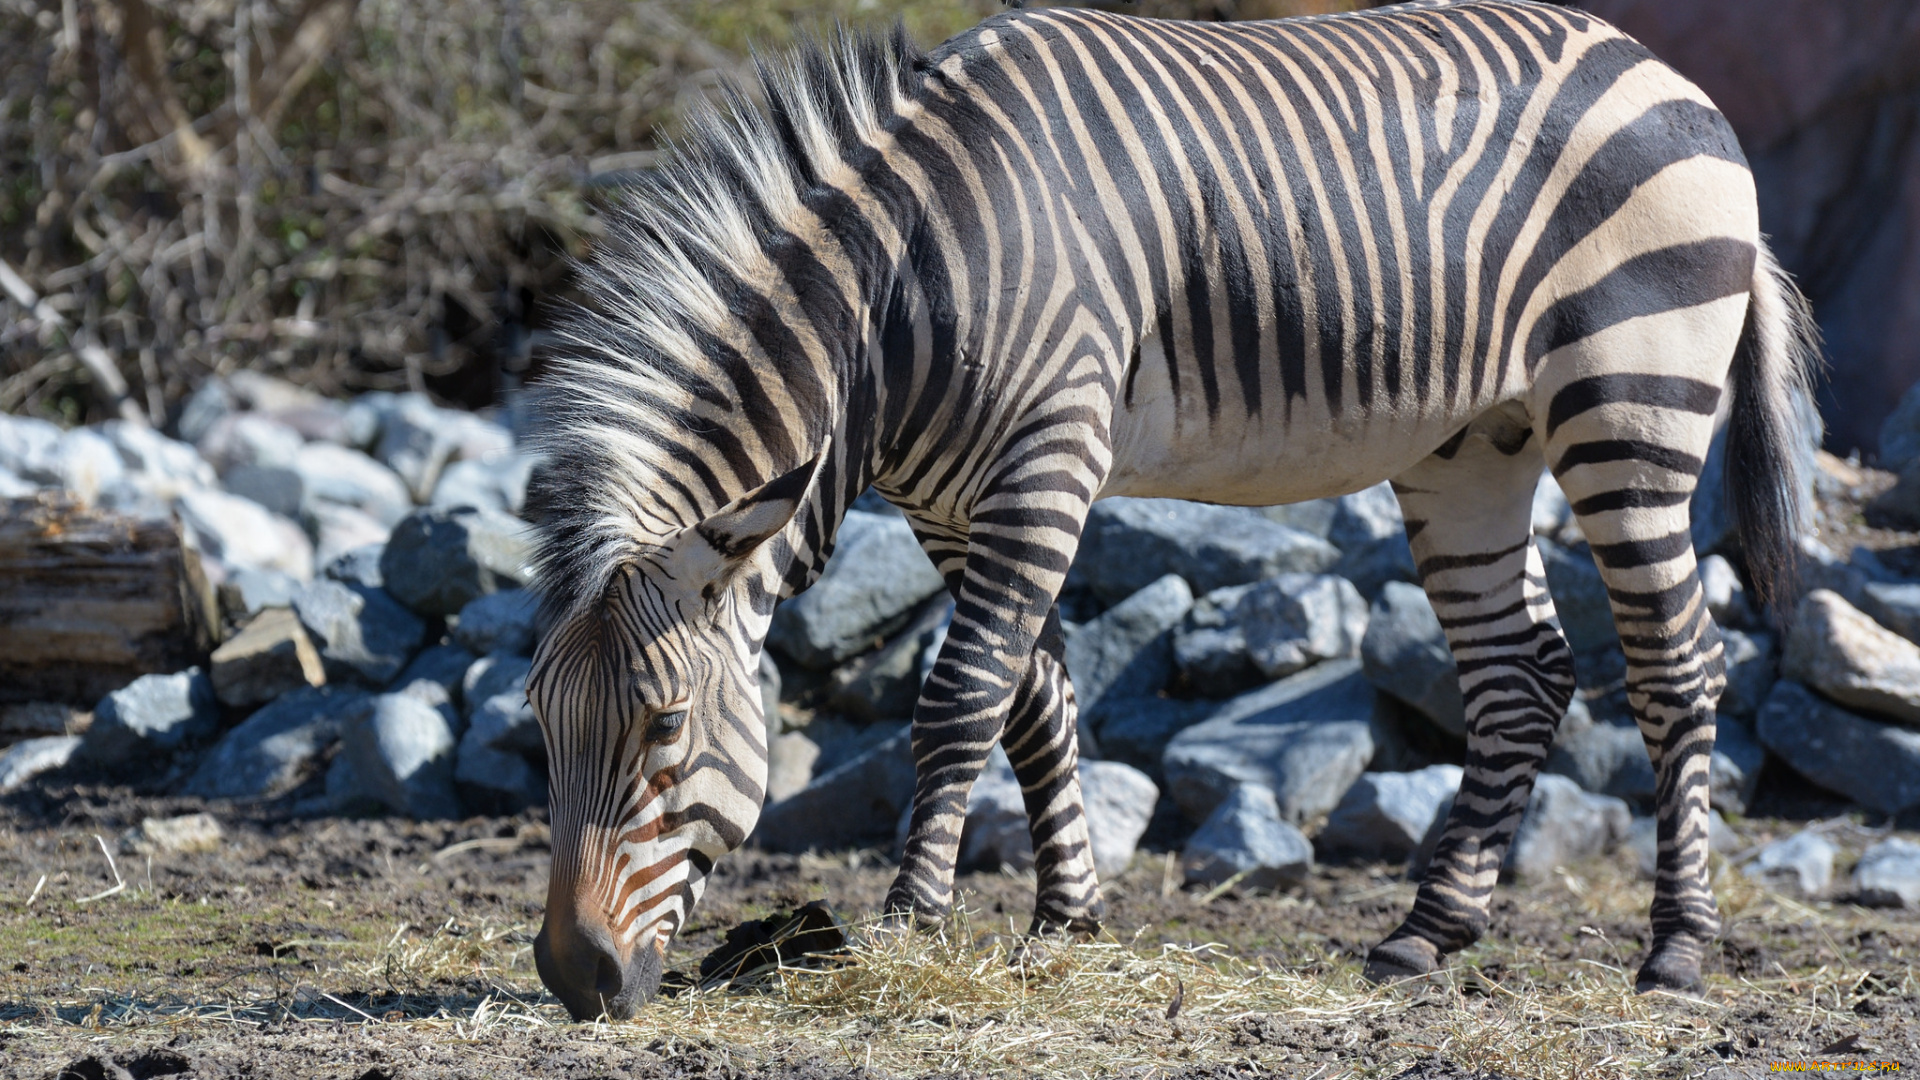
(386, 200)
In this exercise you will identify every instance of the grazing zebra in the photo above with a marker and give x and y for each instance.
(1071, 254)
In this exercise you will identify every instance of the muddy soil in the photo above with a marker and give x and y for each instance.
(355, 948)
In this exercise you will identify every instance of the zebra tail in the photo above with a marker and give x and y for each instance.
(1768, 431)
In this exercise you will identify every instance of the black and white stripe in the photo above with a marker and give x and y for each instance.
(1071, 254)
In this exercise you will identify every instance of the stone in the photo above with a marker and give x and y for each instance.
(885, 684)
(267, 393)
(186, 834)
(438, 561)
(13, 487)
(1802, 862)
(357, 566)
(1128, 544)
(342, 476)
(499, 622)
(248, 591)
(1306, 738)
(241, 533)
(1245, 838)
(856, 803)
(210, 401)
(1894, 605)
(1245, 635)
(1384, 815)
(165, 467)
(1734, 774)
(444, 666)
(790, 761)
(278, 748)
(1314, 516)
(29, 758)
(1606, 759)
(418, 439)
(240, 440)
(31, 718)
(875, 579)
(27, 444)
(494, 770)
(1405, 654)
(1562, 826)
(276, 487)
(401, 752)
(337, 530)
(1119, 801)
(1876, 765)
(1888, 874)
(1551, 511)
(1839, 651)
(268, 657)
(1371, 535)
(769, 678)
(1899, 505)
(1579, 598)
(1900, 432)
(495, 482)
(151, 717)
(1128, 651)
(85, 463)
(492, 675)
(1643, 840)
(1136, 731)
(1372, 567)
(363, 634)
(1726, 597)
(1752, 669)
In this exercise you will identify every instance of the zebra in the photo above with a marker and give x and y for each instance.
(1071, 254)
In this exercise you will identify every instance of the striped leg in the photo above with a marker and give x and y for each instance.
(1042, 744)
(1468, 510)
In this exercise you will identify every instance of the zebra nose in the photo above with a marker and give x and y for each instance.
(582, 966)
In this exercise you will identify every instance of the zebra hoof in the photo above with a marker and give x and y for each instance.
(1664, 973)
(1080, 929)
(1397, 959)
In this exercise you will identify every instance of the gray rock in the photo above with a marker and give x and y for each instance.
(151, 717)
(790, 761)
(1244, 635)
(357, 566)
(496, 482)
(1802, 862)
(1562, 826)
(363, 634)
(341, 476)
(338, 530)
(241, 533)
(444, 666)
(186, 834)
(276, 487)
(438, 561)
(1128, 544)
(499, 622)
(1643, 840)
(769, 673)
(494, 769)
(492, 675)
(1551, 511)
(1726, 597)
(164, 467)
(1735, 772)
(885, 684)
(29, 758)
(28, 718)
(1606, 759)
(1372, 567)
(1900, 504)
(1245, 837)
(1405, 654)
(1128, 651)
(1119, 801)
(1752, 669)
(1894, 605)
(1314, 516)
(277, 748)
(248, 591)
(856, 803)
(1306, 738)
(267, 658)
(1888, 874)
(1900, 432)
(1823, 568)
(85, 463)
(1853, 660)
(1136, 731)
(27, 445)
(208, 403)
(1579, 598)
(418, 439)
(400, 753)
(1371, 535)
(877, 576)
(1874, 764)
(13, 487)
(1384, 815)
(242, 440)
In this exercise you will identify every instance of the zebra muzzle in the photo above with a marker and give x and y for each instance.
(583, 967)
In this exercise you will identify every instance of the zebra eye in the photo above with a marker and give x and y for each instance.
(666, 725)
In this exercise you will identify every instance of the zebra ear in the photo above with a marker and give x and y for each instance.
(736, 529)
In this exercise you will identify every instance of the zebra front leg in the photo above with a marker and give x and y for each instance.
(1043, 744)
(1469, 517)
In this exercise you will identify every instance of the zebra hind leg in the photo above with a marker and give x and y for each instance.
(1469, 516)
(1041, 742)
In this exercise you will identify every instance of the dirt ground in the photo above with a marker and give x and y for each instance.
(381, 948)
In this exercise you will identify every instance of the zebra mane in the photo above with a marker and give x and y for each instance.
(633, 377)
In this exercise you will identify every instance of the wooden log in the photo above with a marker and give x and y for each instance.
(90, 601)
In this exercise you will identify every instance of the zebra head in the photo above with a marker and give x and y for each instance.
(656, 746)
